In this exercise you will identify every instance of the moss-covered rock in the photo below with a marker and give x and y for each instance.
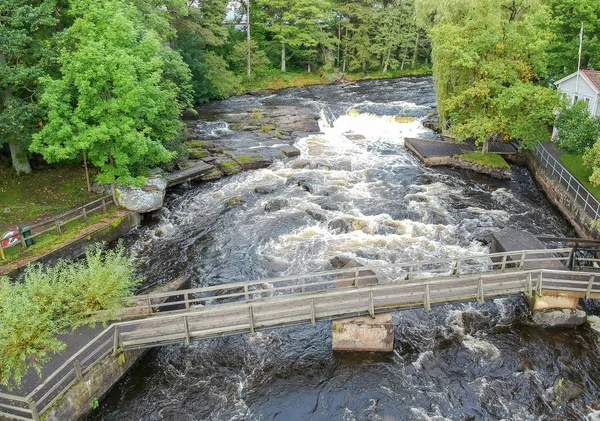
(234, 202)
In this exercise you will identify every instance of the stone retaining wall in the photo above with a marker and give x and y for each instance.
(561, 198)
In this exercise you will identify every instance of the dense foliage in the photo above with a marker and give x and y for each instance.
(105, 81)
(487, 58)
(49, 302)
(576, 130)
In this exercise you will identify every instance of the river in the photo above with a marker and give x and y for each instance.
(457, 362)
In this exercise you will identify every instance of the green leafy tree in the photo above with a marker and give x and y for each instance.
(565, 26)
(486, 65)
(295, 23)
(576, 130)
(48, 302)
(200, 36)
(26, 28)
(112, 100)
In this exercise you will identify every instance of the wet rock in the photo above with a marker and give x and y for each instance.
(290, 151)
(300, 164)
(212, 175)
(200, 144)
(143, 199)
(340, 226)
(559, 318)
(573, 391)
(339, 262)
(354, 136)
(227, 165)
(301, 182)
(275, 205)
(234, 202)
(317, 216)
(251, 162)
(266, 189)
(328, 204)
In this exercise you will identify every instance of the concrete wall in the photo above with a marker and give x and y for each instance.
(75, 404)
(563, 200)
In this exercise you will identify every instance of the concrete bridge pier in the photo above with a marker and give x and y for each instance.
(552, 308)
(374, 333)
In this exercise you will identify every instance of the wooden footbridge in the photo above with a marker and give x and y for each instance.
(246, 307)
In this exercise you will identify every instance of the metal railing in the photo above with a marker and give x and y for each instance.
(248, 306)
(57, 223)
(589, 203)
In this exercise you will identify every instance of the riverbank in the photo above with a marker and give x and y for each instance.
(278, 80)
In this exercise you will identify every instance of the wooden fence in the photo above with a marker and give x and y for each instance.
(56, 224)
(247, 306)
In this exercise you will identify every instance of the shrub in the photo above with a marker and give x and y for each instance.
(576, 130)
(47, 302)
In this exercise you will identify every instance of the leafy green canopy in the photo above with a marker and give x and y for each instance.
(565, 26)
(485, 67)
(117, 98)
(49, 302)
(26, 28)
(576, 130)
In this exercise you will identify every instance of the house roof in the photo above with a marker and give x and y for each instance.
(593, 76)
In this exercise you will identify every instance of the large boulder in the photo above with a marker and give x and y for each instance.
(143, 199)
(559, 318)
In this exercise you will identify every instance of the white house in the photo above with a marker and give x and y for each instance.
(585, 86)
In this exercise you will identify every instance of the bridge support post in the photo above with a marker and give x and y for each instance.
(251, 315)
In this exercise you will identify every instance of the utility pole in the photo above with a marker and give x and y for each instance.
(248, 40)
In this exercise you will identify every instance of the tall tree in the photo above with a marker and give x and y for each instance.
(486, 61)
(565, 24)
(26, 28)
(295, 23)
(112, 100)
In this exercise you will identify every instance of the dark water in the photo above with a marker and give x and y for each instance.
(458, 362)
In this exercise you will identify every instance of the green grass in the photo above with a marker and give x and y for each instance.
(488, 160)
(43, 193)
(574, 163)
(276, 80)
(47, 241)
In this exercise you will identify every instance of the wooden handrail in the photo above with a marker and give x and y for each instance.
(303, 307)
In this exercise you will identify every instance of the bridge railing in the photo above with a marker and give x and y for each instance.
(244, 306)
(248, 316)
(402, 272)
(590, 204)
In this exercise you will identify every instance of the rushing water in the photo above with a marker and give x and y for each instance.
(458, 362)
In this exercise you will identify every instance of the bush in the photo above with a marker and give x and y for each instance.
(576, 130)
(49, 302)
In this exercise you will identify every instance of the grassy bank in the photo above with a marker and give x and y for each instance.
(492, 160)
(48, 241)
(41, 194)
(574, 163)
(276, 80)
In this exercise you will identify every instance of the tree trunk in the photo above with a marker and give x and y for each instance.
(19, 157)
(404, 57)
(387, 59)
(248, 40)
(308, 67)
(283, 58)
(113, 190)
(345, 50)
(339, 42)
(87, 174)
(416, 52)
(20, 160)
(485, 147)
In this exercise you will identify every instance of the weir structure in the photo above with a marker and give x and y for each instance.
(246, 307)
